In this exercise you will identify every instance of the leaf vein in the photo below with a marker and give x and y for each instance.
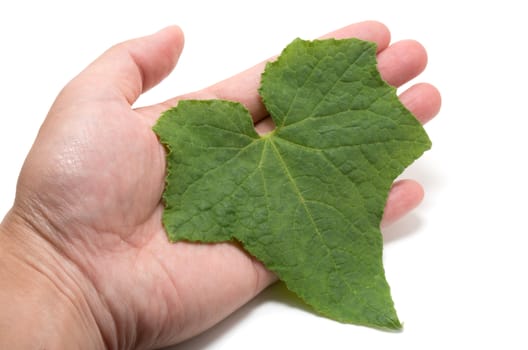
(350, 65)
(302, 201)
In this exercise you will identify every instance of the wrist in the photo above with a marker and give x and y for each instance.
(41, 298)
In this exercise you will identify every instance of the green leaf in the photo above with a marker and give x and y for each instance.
(306, 199)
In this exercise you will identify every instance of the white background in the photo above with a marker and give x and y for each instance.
(457, 265)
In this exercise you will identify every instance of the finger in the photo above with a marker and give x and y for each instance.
(423, 100)
(243, 87)
(368, 30)
(404, 196)
(128, 69)
(401, 62)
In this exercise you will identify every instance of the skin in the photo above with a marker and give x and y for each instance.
(84, 259)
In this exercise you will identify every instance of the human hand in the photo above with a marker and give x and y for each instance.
(86, 222)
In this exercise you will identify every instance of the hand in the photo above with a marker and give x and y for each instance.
(84, 239)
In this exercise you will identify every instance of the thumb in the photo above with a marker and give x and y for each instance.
(132, 67)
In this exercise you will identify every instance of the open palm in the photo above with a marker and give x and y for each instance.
(92, 183)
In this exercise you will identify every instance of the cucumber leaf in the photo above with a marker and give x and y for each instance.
(306, 199)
